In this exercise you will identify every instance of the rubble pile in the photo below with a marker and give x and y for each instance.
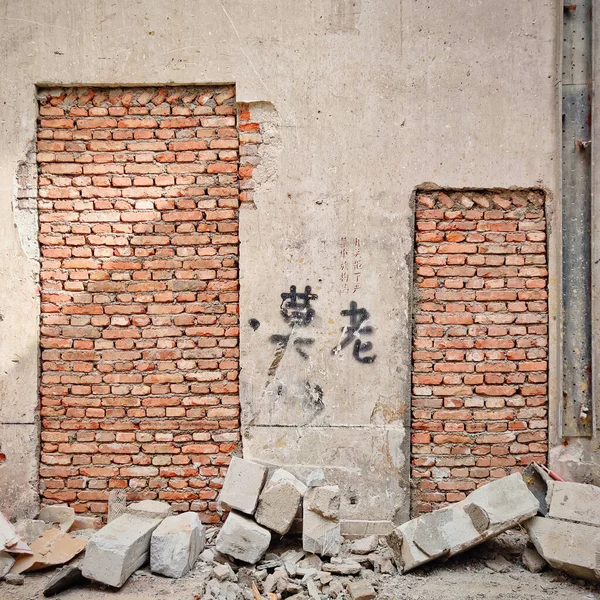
(254, 556)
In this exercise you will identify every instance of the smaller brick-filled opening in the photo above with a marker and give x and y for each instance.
(480, 341)
(138, 210)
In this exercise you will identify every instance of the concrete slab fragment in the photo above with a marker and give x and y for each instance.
(150, 509)
(571, 547)
(243, 484)
(176, 544)
(31, 529)
(63, 579)
(58, 515)
(117, 550)
(243, 539)
(320, 535)
(278, 505)
(324, 500)
(7, 560)
(485, 513)
(574, 502)
(533, 561)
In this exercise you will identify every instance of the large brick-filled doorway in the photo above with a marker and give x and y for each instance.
(138, 210)
(480, 341)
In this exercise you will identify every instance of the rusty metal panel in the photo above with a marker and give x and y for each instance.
(577, 414)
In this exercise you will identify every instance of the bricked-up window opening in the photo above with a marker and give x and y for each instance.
(138, 211)
(480, 341)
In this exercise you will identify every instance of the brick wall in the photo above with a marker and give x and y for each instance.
(138, 210)
(479, 405)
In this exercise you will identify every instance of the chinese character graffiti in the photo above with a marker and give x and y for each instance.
(297, 311)
(354, 331)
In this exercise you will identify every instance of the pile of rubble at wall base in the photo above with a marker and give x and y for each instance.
(147, 532)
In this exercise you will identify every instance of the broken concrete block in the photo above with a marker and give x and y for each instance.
(279, 502)
(571, 547)
(342, 567)
(224, 572)
(574, 502)
(53, 548)
(361, 590)
(13, 579)
(6, 562)
(498, 564)
(117, 550)
(320, 535)
(324, 500)
(10, 539)
(58, 515)
(82, 523)
(315, 478)
(31, 529)
(176, 544)
(485, 513)
(280, 475)
(243, 484)
(150, 509)
(533, 561)
(243, 539)
(365, 545)
(63, 579)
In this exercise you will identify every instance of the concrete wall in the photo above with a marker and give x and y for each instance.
(368, 99)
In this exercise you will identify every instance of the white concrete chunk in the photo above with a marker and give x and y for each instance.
(485, 513)
(574, 502)
(279, 502)
(365, 545)
(176, 544)
(320, 535)
(117, 550)
(243, 484)
(533, 561)
(280, 475)
(6, 562)
(151, 509)
(324, 500)
(243, 539)
(571, 547)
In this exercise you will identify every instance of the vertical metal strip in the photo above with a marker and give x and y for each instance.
(577, 417)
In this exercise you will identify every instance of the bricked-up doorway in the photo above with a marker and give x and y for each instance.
(138, 210)
(480, 341)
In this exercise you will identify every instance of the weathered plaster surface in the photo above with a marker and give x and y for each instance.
(371, 99)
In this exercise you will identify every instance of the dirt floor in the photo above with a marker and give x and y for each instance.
(464, 577)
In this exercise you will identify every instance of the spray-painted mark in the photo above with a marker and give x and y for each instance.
(254, 323)
(358, 326)
(296, 308)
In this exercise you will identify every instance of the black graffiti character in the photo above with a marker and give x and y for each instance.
(357, 327)
(296, 308)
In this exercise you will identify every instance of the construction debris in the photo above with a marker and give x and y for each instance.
(63, 579)
(568, 538)
(13, 579)
(243, 539)
(176, 544)
(321, 532)
(243, 485)
(10, 540)
(53, 548)
(279, 501)
(532, 560)
(6, 562)
(485, 513)
(58, 516)
(117, 550)
(31, 529)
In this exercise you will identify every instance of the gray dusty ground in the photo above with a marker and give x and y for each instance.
(464, 577)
